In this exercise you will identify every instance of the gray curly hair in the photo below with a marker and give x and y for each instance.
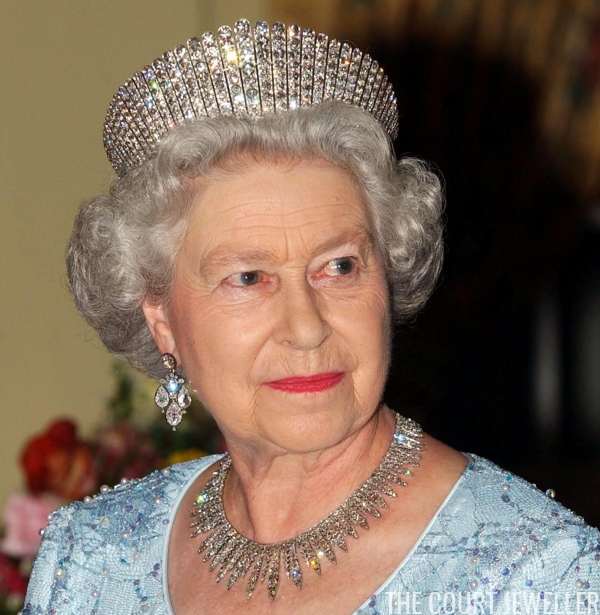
(124, 244)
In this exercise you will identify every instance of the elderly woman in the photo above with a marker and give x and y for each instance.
(263, 238)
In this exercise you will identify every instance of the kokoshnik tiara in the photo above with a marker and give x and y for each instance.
(241, 71)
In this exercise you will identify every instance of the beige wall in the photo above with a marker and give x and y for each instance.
(61, 62)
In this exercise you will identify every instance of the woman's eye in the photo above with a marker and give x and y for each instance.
(246, 278)
(341, 266)
(336, 267)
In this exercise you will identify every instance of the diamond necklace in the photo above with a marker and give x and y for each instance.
(239, 555)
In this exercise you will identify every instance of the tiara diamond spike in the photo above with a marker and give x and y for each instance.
(390, 106)
(241, 71)
(264, 59)
(333, 54)
(293, 65)
(173, 109)
(217, 72)
(179, 89)
(112, 144)
(247, 63)
(342, 72)
(184, 62)
(307, 65)
(141, 117)
(152, 116)
(128, 147)
(354, 67)
(386, 102)
(374, 100)
(230, 60)
(158, 97)
(321, 45)
(278, 48)
(381, 94)
(200, 66)
(126, 119)
(369, 85)
(128, 108)
(361, 81)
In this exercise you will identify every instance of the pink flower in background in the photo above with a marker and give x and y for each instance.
(24, 515)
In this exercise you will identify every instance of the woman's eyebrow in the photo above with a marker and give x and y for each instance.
(224, 256)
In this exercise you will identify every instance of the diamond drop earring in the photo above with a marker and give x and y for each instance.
(172, 393)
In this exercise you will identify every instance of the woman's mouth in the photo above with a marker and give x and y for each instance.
(307, 384)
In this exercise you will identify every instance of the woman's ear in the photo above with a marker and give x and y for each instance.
(158, 323)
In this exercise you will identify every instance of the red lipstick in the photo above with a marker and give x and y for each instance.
(307, 384)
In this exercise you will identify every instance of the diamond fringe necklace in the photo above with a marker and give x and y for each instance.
(239, 555)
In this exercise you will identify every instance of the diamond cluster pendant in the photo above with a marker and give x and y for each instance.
(239, 556)
(171, 396)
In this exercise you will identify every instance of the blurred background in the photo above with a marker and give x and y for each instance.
(503, 96)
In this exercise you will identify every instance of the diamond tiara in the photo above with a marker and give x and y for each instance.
(241, 71)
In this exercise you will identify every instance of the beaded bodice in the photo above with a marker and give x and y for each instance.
(495, 533)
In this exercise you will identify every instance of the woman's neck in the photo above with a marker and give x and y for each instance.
(273, 497)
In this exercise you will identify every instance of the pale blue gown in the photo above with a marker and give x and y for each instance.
(497, 544)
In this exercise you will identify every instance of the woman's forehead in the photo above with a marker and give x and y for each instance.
(312, 202)
(272, 186)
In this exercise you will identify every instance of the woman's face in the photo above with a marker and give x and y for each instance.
(279, 277)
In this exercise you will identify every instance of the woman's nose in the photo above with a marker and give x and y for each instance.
(301, 324)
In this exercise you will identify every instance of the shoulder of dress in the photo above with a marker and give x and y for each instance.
(155, 491)
(111, 544)
(508, 531)
(503, 497)
(497, 539)
(127, 509)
